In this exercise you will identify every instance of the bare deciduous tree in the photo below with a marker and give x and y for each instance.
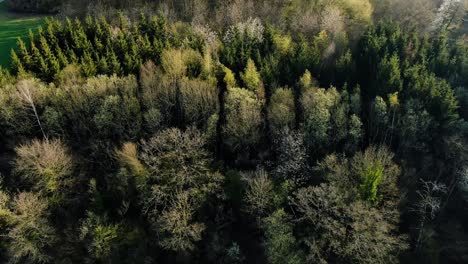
(429, 204)
(27, 91)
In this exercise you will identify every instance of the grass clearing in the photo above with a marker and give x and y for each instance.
(12, 26)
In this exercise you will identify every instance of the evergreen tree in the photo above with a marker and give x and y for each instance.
(16, 65)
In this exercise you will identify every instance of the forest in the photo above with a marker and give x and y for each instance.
(236, 131)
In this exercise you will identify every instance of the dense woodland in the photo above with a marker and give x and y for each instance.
(236, 131)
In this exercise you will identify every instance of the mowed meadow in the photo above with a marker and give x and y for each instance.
(12, 26)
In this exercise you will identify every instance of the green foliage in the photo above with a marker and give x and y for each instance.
(389, 76)
(234, 255)
(441, 103)
(229, 78)
(355, 132)
(101, 235)
(377, 174)
(306, 81)
(5, 77)
(330, 117)
(30, 235)
(345, 68)
(283, 44)
(359, 10)
(281, 110)
(170, 97)
(251, 79)
(380, 117)
(308, 174)
(370, 175)
(93, 46)
(199, 101)
(280, 244)
(260, 198)
(371, 178)
(174, 63)
(241, 43)
(317, 104)
(12, 26)
(110, 103)
(69, 76)
(415, 122)
(243, 118)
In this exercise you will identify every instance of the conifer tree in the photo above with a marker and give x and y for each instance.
(61, 57)
(16, 65)
(72, 56)
(50, 59)
(252, 80)
(114, 64)
(389, 76)
(24, 55)
(88, 66)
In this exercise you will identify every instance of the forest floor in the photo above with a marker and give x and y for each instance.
(12, 26)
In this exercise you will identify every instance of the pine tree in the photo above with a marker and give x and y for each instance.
(37, 61)
(16, 65)
(114, 64)
(103, 66)
(24, 55)
(90, 27)
(79, 39)
(132, 58)
(31, 35)
(98, 46)
(62, 59)
(158, 47)
(72, 56)
(54, 68)
(68, 31)
(53, 65)
(123, 21)
(389, 76)
(88, 65)
(144, 46)
(252, 80)
(40, 33)
(52, 32)
(157, 27)
(105, 30)
(143, 23)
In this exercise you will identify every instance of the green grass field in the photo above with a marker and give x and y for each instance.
(12, 26)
